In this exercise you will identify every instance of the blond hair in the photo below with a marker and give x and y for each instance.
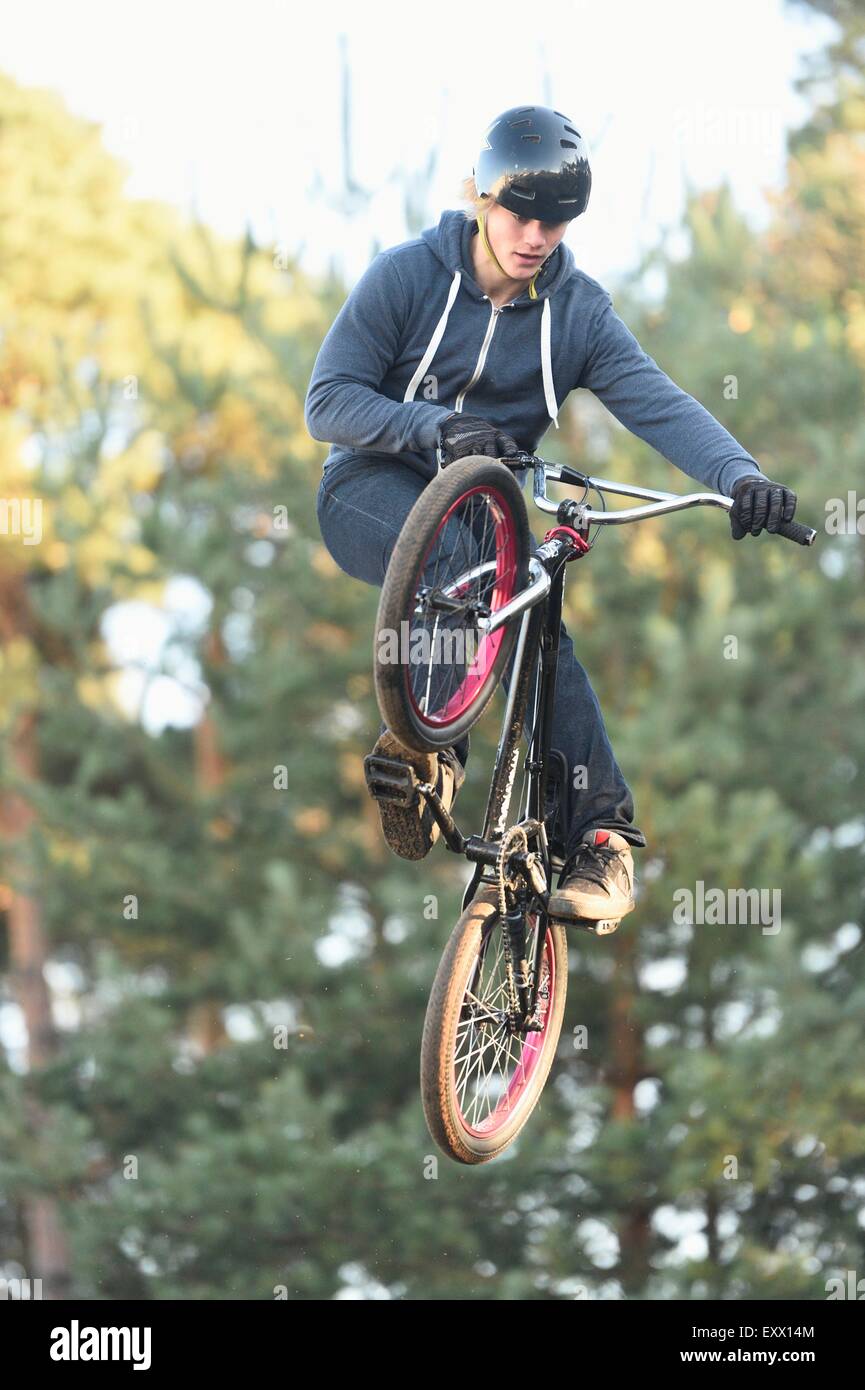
(477, 204)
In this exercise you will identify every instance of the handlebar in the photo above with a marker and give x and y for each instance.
(658, 503)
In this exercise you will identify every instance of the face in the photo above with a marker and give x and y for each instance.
(521, 244)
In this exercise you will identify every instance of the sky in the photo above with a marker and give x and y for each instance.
(234, 109)
(233, 112)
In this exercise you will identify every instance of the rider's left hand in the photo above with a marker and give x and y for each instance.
(759, 505)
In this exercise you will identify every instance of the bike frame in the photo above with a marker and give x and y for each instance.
(533, 681)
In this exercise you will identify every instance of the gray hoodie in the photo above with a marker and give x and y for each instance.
(417, 339)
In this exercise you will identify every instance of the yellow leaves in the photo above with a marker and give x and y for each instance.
(64, 850)
(833, 330)
(580, 601)
(151, 591)
(645, 552)
(323, 562)
(715, 582)
(15, 444)
(351, 773)
(853, 112)
(77, 506)
(854, 334)
(55, 555)
(107, 693)
(314, 820)
(741, 316)
(817, 239)
(92, 691)
(139, 559)
(96, 555)
(304, 448)
(137, 469)
(291, 305)
(243, 436)
(17, 655)
(99, 556)
(366, 836)
(233, 435)
(802, 335)
(105, 548)
(854, 326)
(328, 636)
(19, 667)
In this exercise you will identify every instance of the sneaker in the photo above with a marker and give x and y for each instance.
(411, 831)
(596, 884)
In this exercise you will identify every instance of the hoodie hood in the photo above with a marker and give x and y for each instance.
(451, 241)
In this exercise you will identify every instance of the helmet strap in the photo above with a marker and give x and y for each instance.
(482, 232)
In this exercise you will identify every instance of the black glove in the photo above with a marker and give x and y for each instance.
(759, 505)
(463, 435)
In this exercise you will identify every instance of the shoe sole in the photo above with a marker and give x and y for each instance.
(563, 911)
(411, 831)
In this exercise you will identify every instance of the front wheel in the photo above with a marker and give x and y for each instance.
(462, 554)
(480, 1082)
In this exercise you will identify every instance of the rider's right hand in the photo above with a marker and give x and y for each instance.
(461, 436)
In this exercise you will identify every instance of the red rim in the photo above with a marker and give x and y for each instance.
(503, 590)
(531, 1047)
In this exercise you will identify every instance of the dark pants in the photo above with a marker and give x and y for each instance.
(362, 506)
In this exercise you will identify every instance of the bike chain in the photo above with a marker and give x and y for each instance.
(503, 880)
(516, 832)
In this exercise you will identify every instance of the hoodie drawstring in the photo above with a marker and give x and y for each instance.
(432, 346)
(438, 334)
(547, 364)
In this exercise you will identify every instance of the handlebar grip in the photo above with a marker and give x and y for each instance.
(521, 459)
(795, 531)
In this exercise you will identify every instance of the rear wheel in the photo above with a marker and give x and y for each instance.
(480, 1082)
(463, 553)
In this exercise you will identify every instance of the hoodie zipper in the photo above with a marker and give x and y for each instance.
(482, 356)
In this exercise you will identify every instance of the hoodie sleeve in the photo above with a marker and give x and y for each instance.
(343, 403)
(644, 399)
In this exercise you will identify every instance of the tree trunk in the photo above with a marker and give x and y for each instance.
(47, 1256)
(625, 1070)
(204, 1022)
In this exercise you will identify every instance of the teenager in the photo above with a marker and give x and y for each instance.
(467, 341)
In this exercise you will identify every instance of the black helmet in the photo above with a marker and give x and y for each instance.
(535, 163)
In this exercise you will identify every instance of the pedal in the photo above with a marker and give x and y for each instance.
(602, 928)
(389, 779)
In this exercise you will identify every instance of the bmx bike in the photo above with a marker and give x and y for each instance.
(463, 594)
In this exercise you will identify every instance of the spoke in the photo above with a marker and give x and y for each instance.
(464, 545)
(490, 1063)
(481, 1063)
(425, 705)
(469, 1070)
